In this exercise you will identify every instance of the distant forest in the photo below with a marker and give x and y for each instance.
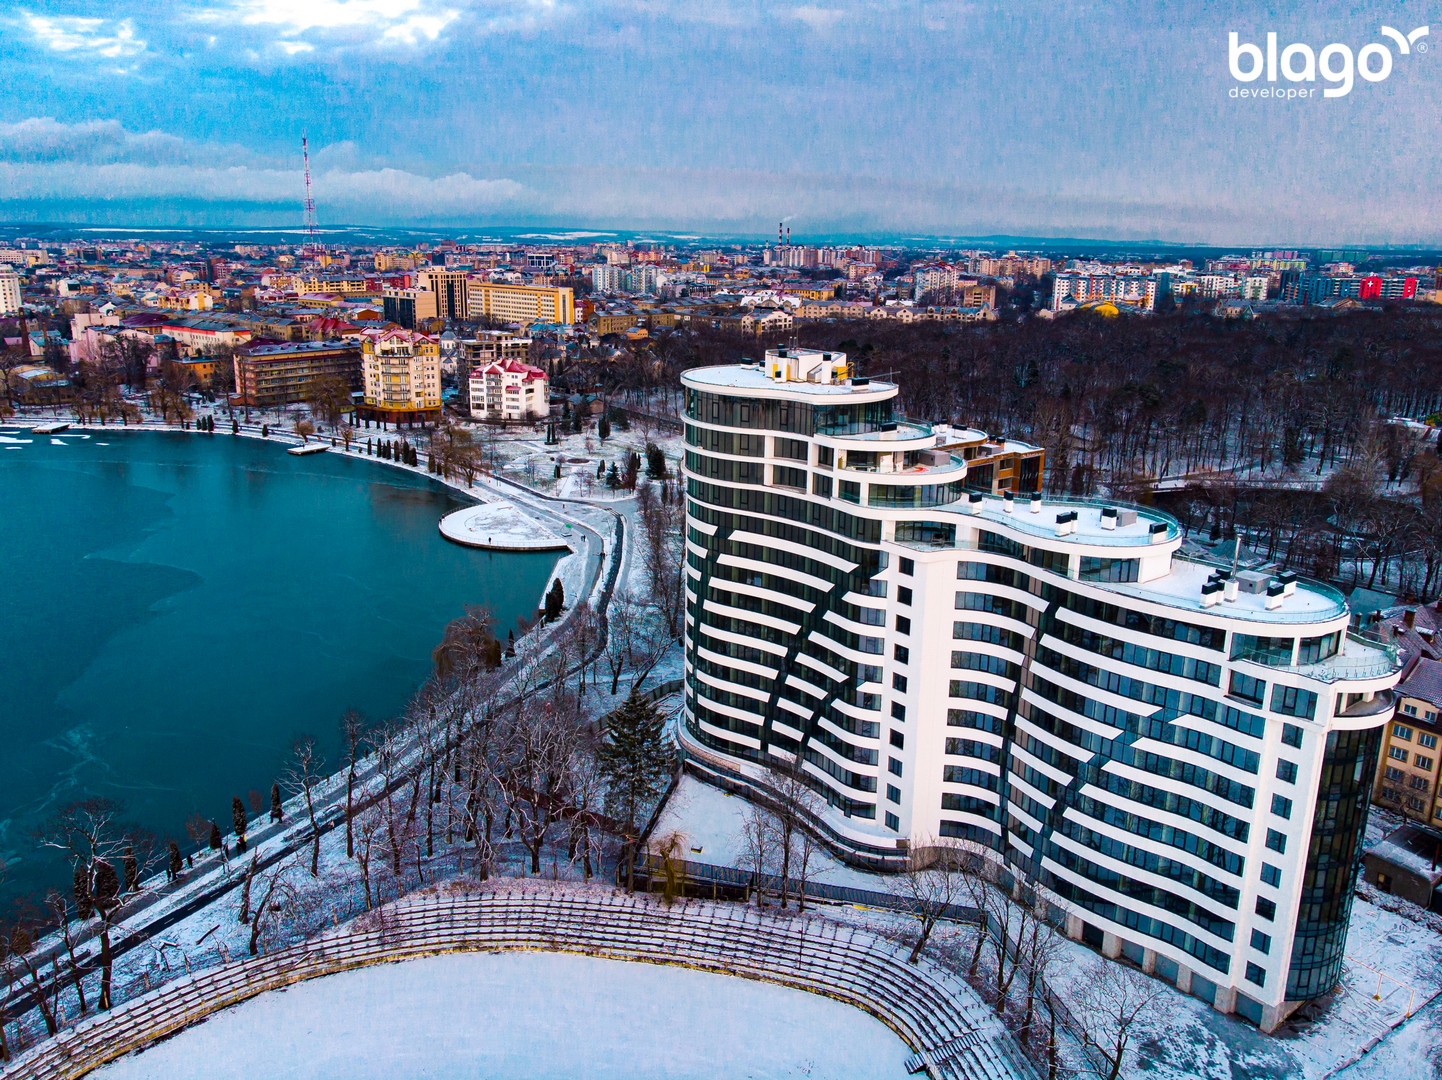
(1275, 428)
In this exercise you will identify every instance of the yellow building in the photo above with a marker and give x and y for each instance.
(1407, 763)
(524, 304)
(402, 376)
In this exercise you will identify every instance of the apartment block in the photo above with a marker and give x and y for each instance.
(273, 373)
(1176, 760)
(1407, 767)
(509, 390)
(402, 376)
(524, 304)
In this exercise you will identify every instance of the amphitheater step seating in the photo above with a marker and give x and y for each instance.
(952, 1031)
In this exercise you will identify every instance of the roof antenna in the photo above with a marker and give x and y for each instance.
(1236, 554)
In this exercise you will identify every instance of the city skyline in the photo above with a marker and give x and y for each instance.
(947, 119)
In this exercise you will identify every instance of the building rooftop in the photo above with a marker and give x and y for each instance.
(753, 377)
(1425, 682)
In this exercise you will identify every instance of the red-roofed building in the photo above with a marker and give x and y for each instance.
(509, 390)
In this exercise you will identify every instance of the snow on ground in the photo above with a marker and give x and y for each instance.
(499, 526)
(711, 820)
(536, 1015)
(1392, 955)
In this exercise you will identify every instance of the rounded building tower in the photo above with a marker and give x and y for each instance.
(1178, 757)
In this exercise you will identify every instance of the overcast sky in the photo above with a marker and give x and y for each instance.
(1105, 120)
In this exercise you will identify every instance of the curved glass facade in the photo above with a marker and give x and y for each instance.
(1329, 881)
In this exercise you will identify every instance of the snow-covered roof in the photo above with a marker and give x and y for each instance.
(1414, 849)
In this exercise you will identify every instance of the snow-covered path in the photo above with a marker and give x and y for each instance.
(532, 1015)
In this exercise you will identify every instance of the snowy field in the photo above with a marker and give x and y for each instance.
(532, 1015)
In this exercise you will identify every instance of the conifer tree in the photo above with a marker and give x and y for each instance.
(237, 818)
(603, 427)
(215, 841)
(132, 869)
(635, 760)
(175, 864)
(276, 812)
(601, 469)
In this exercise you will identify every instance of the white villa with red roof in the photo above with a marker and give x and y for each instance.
(509, 390)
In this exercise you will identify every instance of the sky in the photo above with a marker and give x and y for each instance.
(1107, 120)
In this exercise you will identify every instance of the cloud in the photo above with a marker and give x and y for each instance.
(70, 34)
(299, 26)
(818, 18)
(100, 163)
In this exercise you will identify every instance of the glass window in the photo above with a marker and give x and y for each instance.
(1276, 841)
(1247, 688)
(898, 740)
(1397, 753)
(1401, 732)
(825, 456)
(1282, 807)
(1330, 875)
(1261, 942)
(1271, 875)
(1256, 975)
(1410, 709)
(893, 822)
(936, 533)
(913, 495)
(821, 485)
(901, 653)
(850, 491)
(898, 682)
(903, 595)
(893, 793)
(1316, 649)
(1422, 762)
(1426, 740)
(1287, 771)
(1267, 909)
(906, 566)
(786, 476)
(1274, 652)
(893, 766)
(898, 710)
(1292, 735)
(1292, 701)
(1094, 569)
(903, 624)
(795, 449)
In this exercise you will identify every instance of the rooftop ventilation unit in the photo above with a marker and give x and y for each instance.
(1010, 501)
(1066, 523)
(1109, 517)
(1275, 592)
(973, 502)
(1288, 581)
(1126, 517)
(1036, 504)
(1253, 582)
(1158, 532)
(1211, 594)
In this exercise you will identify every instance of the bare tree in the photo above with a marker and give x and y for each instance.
(353, 733)
(1116, 1004)
(280, 903)
(758, 847)
(368, 825)
(930, 884)
(542, 743)
(90, 833)
(302, 776)
(305, 429)
(60, 911)
(793, 805)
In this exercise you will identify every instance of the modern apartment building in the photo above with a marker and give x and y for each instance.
(408, 307)
(523, 304)
(402, 376)
(283, 373)
(509, 390)
(1176, 758)
(1408, 765)
(449, 289)
(9, 291)
(1072, 289)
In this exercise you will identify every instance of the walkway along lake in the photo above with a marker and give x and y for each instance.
(174, 607)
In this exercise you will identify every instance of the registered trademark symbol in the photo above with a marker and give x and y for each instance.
(1422, 46)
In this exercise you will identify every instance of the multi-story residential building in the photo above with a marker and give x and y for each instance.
(509, 390)
(608, 278)
(449, 288)
(488, 347)
(9, 291)
(199, 334)
(1407, 767)
(402, 376)
(1085, 288)
(408, 307)
(1176, 759)
(524, 304)
(268, 374)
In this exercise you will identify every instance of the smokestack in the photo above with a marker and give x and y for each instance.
(1410, 617)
